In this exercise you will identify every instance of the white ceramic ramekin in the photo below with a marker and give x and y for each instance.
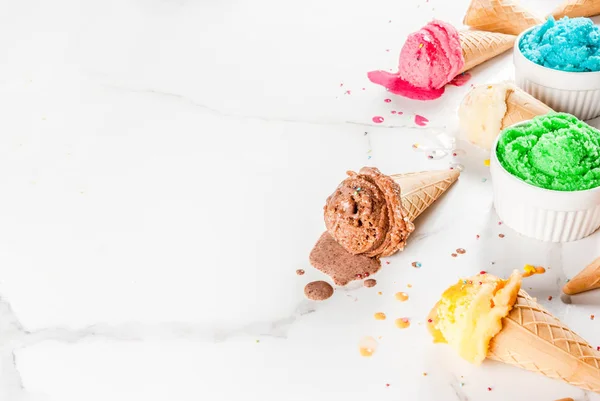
(547, 215)
(577, 93)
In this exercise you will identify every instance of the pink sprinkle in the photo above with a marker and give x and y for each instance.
(477, 236)
(421, 121)
(499, 223)
(489, 389)
(387, 50)
(387, 262)
(363, 88)
(378, 119)
(342, 84)
(400, 113)
(387, 384)
(393, 111)
(348, 92)
(388, 100)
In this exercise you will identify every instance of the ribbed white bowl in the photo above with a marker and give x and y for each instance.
(553, 216)
(577, 93)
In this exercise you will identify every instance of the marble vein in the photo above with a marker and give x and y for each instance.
(212, 110)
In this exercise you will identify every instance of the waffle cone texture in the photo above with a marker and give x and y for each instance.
(420, 190)
(480, 46)
(577, 8)
(532, 339)
(504, 16)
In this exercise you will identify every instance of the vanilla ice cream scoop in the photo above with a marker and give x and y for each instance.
(470, 313)
(488, 109)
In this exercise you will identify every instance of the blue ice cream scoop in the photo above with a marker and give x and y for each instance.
(569, 44)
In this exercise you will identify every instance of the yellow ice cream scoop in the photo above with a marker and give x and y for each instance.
(469, 313)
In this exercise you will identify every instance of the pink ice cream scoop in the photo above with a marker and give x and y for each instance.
(430, 59)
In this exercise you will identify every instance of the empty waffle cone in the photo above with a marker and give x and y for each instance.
(577, 8)
(532, 339)
(521, 106)
(420, 190)
(587, 279)
(480, 46)
(504, 16)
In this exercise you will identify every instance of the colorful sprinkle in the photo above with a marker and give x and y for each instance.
(415, 145)
(499, 223)
(378, 119)
(550, 298)
(482, 272)
(477, 236)
(402, 323)
(409, 285)
(424, 373)
(387, 262)
(461, 251)
(358, 276)
(300, 272)
(379, 316)
(388, 100)
(489, 389)
(483, 179)
(486, 162)
(387, 384)
(257, 341)
(401, 296)
(348, 92)
(420, 45)
(592, 317)
(454, 255)
(393, 111)
(501, 235)
(480, 283)
(380, 293)
(416, 264)
(429, 321)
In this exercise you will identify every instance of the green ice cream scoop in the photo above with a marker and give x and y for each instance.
(555, 151)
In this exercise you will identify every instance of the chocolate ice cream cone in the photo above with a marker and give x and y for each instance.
(420, 190)
(577, 8)
(504, 16)
(587, 279)
(372, 214)
(521, 106)
(480, 46)
(532, 339)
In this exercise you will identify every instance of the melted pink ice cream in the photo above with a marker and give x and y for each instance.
(430, 59)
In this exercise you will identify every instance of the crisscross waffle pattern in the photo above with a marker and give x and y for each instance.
(504, 16)
(420, 190)
(521, 106)
(577, 8)
(533, 339)
(480, 46)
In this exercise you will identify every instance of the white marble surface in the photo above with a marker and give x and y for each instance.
(163, 166)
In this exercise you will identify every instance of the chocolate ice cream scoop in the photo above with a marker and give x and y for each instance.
(365, 214)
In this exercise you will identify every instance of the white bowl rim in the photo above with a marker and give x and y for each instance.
(517, 179)
(566, 73)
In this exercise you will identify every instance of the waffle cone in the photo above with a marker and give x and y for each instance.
(420, 190)
(587, 279)
(521, 106)
(577, 8)
(504, 16)
(532, 339)
(480, 46)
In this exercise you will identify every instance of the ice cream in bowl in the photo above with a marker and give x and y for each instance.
(486, 317)
(558, 62)
(546, 177)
